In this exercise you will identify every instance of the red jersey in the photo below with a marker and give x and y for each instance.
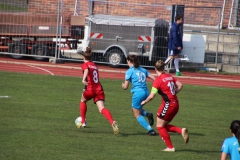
(165, 84)
(92, 77)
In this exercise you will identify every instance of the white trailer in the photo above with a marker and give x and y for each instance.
(113, 38)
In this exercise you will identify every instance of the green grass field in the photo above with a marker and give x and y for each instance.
(37, 121)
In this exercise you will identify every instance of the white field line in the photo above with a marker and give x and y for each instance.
(4, 96)
(41, 69)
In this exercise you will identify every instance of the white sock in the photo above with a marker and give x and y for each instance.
(168, 60)
(176, 64)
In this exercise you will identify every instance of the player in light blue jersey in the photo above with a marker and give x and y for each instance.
(137, 76)
(231, 146)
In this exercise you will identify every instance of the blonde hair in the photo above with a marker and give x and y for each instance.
(159, 65)
(88, 53)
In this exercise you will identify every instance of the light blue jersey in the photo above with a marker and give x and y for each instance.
(231, 147)
(137, 76)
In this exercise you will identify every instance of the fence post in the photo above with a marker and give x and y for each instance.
(219, 21)
(56, 48)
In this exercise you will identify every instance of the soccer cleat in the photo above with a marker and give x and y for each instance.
(83, 125)
(152, 133)
(185, 135)
(179, 74)
(115, 127)
(169, 150)
(150, 118)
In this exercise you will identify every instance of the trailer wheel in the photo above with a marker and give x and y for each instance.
(40, 50)
(115, 57)
(17, 48)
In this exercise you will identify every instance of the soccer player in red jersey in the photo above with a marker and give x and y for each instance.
(93, 90)
(168, 87)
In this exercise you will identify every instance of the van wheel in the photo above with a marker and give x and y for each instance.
(17, 48)
(115, 57)
(40, 50)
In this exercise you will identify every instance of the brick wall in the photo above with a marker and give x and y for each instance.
(196, 16)
(51, 6)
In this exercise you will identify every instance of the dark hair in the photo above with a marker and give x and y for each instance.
(88, 53)
(178, 17)
(235, 128)
(159, 65)
(134, 60)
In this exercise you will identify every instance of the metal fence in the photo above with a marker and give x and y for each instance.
(234, 17)
(113, 29)
(205, 22)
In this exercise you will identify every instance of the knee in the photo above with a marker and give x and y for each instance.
(100, 109)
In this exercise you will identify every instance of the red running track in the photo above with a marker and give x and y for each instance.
(73, 69)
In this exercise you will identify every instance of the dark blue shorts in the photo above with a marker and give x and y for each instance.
(173, 52)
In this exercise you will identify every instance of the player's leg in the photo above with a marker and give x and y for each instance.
(146, 113)
(104, 111)
(176, 129)
(171, 113)
(137, 98)
(83, 108)
(166, 112)
(99, 100)
(170, 57)
(176, 63)
(162, 122)
(164, 134)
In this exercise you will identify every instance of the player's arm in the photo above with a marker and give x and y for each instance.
(178, 86)
(175, 38)
(85, 73)
(224, 156)
(153, 93)
(125, 85)
(152, 77)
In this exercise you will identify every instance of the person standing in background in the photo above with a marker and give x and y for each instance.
(175, 44)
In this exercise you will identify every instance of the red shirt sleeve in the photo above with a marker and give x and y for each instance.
(84, 66)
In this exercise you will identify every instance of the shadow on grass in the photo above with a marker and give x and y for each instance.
(197, 151)
(190, 134)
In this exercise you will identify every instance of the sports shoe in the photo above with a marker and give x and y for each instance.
(169, 150)
(179, 74)
(150, 118)
(152, 133)
(83, 125)
(115, 127)
(185, 135)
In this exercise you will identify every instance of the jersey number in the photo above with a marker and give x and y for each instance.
(141, 77)
(95, 76)
(171, 85)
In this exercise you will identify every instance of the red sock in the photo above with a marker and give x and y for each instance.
(107, 114)
(172, 128)
(165, 136)
(83, 110)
